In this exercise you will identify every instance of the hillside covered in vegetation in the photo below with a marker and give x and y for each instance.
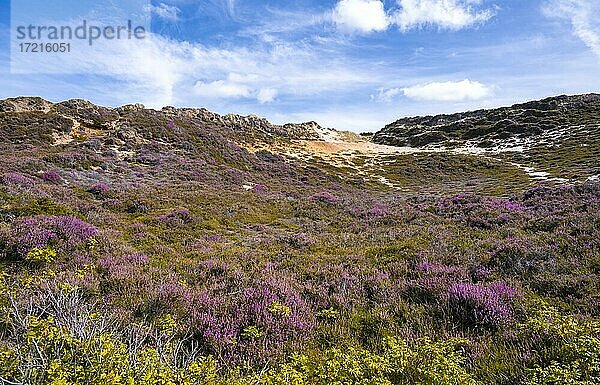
(183, 247)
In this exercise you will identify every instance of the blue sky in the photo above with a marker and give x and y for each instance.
(348, 64)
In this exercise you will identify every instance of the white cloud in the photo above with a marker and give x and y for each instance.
(221, 89)
(365, 16)
(445, 14)
(162, 72)
(231, 6)
(448, 91)
(386, 95)
(361, 16)
(237, 86)
(584, 16)
(266, 95)
(165, 11)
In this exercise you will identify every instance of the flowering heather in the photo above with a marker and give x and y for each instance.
(64, 232)
(177, 218)
(214, 267)
(137, 257)
(377, 211)
(483, 305)
(99, 188)
(113, 264)
(171, 125)
(14, 178)
(480, 212)
(299, 240)
(430, 281)
(325, 197)
(260, 188)
(277, 312)
(52, 177)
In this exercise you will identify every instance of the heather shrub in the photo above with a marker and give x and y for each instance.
(177, 218)
(129, 203)
(318, 274)
(260, 189)
(52, 177)
(325, 197)
(61, 232)
(481, 305)
(256, 324)
(376, 211)
(17, 179)
(119, 272)
(99, 189)
(515, 255)
(429, 282)
(480, 212)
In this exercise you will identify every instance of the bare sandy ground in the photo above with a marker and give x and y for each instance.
(338, 147)
(347, 143)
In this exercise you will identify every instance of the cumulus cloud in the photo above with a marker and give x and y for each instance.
(165, 11)
(360, 16)
(266, 95)
(448, 91)
(366, 16)
(444, 14)
(584, 17)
